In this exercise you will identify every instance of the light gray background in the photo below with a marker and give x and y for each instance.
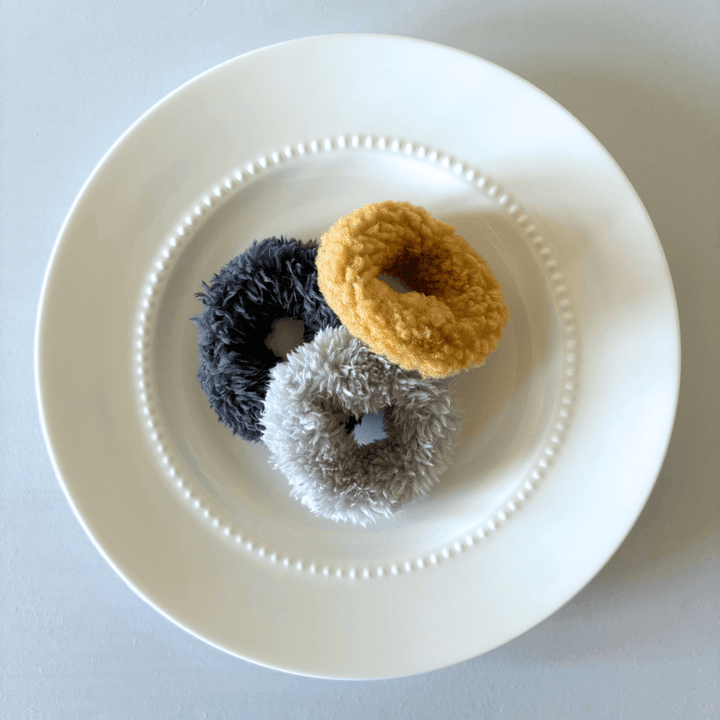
(641, 641)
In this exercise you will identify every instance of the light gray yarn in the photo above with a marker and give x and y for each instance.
(311, 397)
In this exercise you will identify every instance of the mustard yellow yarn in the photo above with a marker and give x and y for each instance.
(455, 315)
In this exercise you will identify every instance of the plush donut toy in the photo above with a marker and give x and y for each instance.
(455, 315)
(392, 355)
(275, 278)
(312, 401)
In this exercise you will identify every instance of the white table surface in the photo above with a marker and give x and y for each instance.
(641, 641)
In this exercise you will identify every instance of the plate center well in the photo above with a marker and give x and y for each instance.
(507, 404)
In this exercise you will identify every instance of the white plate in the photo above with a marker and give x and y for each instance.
(567, 423)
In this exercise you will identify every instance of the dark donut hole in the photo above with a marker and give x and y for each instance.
(286, 335)
(369, 428)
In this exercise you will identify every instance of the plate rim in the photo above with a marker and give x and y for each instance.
(42, 309)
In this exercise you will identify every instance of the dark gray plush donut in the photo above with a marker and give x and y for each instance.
(275, 278)
(310, 403)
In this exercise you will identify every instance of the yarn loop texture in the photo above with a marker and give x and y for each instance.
(454, 317)
(275, 278)
(312, 401)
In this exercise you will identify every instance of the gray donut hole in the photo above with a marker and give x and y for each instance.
(369, 428)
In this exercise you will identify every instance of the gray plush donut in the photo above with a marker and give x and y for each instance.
(312, 402)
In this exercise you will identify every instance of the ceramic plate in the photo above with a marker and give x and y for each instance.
(566, 425)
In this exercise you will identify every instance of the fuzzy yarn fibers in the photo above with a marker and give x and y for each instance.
(455, 315)
(313, 400)
(275, 278)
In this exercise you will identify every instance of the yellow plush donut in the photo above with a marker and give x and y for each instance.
(455, 314)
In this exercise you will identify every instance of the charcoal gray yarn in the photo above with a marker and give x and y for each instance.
(310, 404)
(275, 278)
